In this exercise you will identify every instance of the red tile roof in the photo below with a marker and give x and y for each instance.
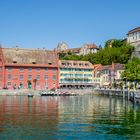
(115, 66)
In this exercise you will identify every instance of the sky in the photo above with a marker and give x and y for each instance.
(45, 23)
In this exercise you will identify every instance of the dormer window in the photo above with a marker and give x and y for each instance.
(33, 62)
(50, 63)
(86, 65)
(14, 61)
(63, 64)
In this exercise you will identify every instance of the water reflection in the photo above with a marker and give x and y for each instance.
(78, 117)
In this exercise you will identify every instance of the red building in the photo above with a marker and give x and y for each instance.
(28, 68)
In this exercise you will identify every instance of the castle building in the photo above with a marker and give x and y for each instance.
(62, 46)
(28, 68)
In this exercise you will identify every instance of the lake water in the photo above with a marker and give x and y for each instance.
(67, 118)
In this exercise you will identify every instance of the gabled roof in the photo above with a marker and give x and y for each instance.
(114, 66)
(29, 56)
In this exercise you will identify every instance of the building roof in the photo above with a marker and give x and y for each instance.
(29, 56)
(75, 64)
(74, 50)
(114, 66)
(134, 30)
(91, 46)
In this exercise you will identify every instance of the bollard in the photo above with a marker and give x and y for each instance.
(133, 97)
(123, 92)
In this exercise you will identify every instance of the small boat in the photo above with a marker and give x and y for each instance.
(56, 93)
(30, 95)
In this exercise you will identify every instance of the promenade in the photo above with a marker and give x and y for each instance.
(19, 92)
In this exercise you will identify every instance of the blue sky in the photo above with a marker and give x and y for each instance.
(44, 23)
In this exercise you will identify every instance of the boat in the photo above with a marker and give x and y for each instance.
(56, 93)
(30, 95)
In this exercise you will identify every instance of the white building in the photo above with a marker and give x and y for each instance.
(133, 38)
(62, 46)
(88, 48)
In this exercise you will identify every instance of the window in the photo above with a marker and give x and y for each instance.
(38, 69)
(50, 63)
(21, 69)
(38, 84)
(9, 84)
(86, 64)
(21, 77)
(38, 77)
(9, 77)
(63, 64)
(46, 77)
(46, 69)
(0, 68)
(46, 84)
(30, 69)
(54, 77)
(0, 77)
(54, 69)
(29, 77)
(9, 69)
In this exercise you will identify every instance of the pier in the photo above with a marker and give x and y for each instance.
(132, 95)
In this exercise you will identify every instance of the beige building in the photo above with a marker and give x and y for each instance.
(76, 74)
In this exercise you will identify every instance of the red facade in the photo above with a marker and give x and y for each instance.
(36, 69)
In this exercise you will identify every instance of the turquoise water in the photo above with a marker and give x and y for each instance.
(65, 118)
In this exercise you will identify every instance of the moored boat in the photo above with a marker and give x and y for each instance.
(56, 93)
(30, 95)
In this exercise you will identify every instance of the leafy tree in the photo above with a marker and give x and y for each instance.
(132, 70)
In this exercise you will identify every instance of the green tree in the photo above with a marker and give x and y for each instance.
(132, 70)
